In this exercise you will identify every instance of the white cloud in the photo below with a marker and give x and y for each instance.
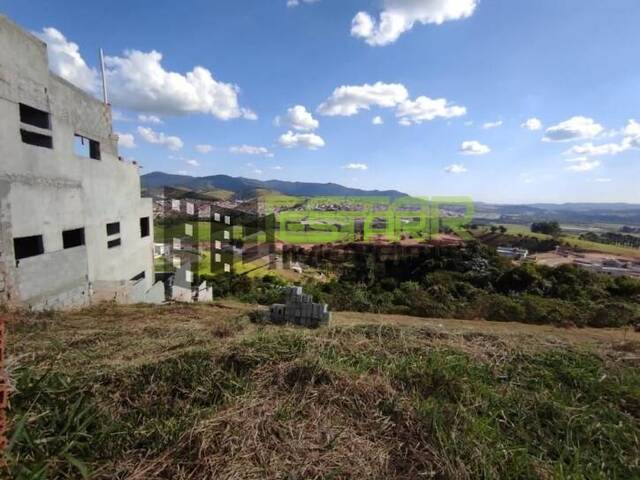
(603, 180)
(632, 129)
(149, 119)
(426, 109)
(250, 150)
(204, 148)
(350, 99)
(356, 166)
(126, 140)
(473, 147)
(591, 150)
(138, 81)
(631, 139)
(277, 167)
(455, 169)
(307, 140)
(582, 164)
(631, 135)
(193, 163)
(65, 60)
(490, 125)
(532, 124)
(295, 3)
(377, 120)
(299, 119)
(399, 16)
(576, 128)
(171, 142)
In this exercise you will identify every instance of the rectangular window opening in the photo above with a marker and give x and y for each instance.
(36, 139)
(25, 247)
(85, 147)
(139, 276)
(144, 227)
(33, 116)
(73, 238)
(114, 243)
(113, 228)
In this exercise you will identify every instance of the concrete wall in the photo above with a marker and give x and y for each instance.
(46, 191)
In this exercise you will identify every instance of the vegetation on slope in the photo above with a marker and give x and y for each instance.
(451, 282)
(199, 392)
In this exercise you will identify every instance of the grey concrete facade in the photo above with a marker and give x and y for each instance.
(47, 188)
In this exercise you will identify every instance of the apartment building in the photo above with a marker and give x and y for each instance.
(73, 226)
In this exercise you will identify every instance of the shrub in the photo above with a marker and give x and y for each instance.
(613, 314)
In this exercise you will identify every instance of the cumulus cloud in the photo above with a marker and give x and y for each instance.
(204, 148)
(591, 150)
(348, 100)
(426, 109)
(250, 150)
(307, 140)
(193, 163)
(356, 166)
(532, 124)
(299, 119)
(138, 81)
(631, 139)
(490, 125)
(473, 147)
(632, 129)
(400, 16)
(582, 164)
(377, 120)
(455, 169)
(126, 140)
(158, 138)
(576, 128)
(149, 119)
(632, 134)
(65, 60)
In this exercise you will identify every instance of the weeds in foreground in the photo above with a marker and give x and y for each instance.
(359, 402)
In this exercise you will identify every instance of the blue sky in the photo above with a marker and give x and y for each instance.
(268, 102)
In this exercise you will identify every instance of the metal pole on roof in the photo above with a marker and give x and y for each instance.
(104, 79)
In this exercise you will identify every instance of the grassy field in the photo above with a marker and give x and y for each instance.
(572, 240)
(199, 392)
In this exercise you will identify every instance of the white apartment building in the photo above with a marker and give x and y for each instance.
(73, 226)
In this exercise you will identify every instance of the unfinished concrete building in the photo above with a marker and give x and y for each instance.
(73, 226)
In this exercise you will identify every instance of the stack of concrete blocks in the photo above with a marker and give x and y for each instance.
(299, 309)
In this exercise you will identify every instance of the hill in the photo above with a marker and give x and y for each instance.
(244, 187)
(198, 392)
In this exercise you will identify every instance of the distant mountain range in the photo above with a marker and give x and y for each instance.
(245, 187)
(224, 186)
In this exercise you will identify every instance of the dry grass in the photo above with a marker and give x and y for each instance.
(199, 392)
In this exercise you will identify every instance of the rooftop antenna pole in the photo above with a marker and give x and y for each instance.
(104, 79)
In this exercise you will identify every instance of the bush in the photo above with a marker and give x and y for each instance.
(500, 308)
(616, 314)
